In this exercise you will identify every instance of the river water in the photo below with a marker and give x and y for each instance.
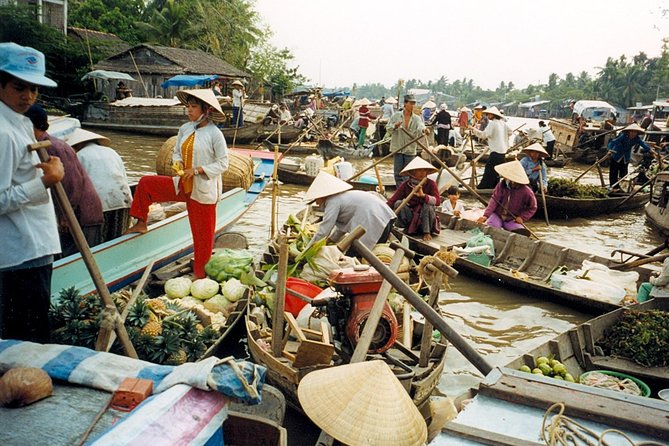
(500, 323)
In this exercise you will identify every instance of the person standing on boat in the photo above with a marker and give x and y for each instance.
(404, 126)
(533, 164)
(512, 202)
(419, 215)
(620, 149)
(77, 184)
(497, 133)
(200, 157)
(443, 121)
(463, 120)
(548, 137)
(345, 209)
(237, 103)
(387, 110)
(27, 220)
(363, 122)
(106, 170)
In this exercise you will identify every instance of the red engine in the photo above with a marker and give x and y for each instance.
(360, 288)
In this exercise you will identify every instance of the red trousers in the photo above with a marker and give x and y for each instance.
(202, 217)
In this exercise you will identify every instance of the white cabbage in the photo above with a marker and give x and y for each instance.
(233, 290)
(217, 304)
(203, 289)
(178, 287)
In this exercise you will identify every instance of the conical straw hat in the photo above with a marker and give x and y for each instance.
(325, 185)
(362, 403)
(494, 111)
(513, 171)
(634, 127)
(80, 135)
(207, 96)
(418, 163)
(391, 100)
(536, 147)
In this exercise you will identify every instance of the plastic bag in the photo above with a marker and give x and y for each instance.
(328, 259)
(597, 281)
(481, 239)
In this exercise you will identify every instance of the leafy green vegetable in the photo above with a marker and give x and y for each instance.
(561, 187)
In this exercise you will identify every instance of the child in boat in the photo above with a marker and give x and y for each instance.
(452, 205)
(533, 165)
(419, 215)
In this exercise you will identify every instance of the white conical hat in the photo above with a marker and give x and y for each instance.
(391, 100)
(207, 96)
(325, 185)
(418, 163)
(494, 111)
(237, 82)
(80, 135)
(429, 104)
(362, 403)
(634, 127)
(536, 147)
(361, 102)
(513, 171)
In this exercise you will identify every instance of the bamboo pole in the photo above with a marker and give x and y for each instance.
(146, 91)
(543, 192)
(410, 196)
(380, 160)
(279, 299)
(597, 163)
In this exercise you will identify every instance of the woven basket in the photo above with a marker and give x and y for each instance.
(239, 173)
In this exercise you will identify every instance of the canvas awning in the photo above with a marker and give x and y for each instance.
(532, 104)
(188, 80)
(107, 75)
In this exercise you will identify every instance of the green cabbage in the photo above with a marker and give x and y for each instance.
(233, 290)
(228, 263)
(217, 304)
(178, 287)
(203, 289)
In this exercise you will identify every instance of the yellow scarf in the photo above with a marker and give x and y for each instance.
(187, 156)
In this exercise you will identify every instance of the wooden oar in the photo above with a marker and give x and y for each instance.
(410, 196)
(380, 160)
(89, 260)
(640, 262)
(629, 197)
(543, 193)
(599, 161)
(472, 190)
(279, 299)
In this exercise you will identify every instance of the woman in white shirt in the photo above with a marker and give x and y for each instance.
(497, 133)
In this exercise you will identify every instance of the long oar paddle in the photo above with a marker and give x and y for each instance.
(597, 163)
(543, 193)
(89, 261)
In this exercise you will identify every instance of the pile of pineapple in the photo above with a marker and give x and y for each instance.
(161, 330)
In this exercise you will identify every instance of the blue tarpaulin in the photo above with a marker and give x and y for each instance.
(188, 80)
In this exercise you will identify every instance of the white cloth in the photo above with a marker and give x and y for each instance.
(27, 218)
(388, 110)
(210, 152)
(107, 172)
(447, 207)
(547, 134)
(237, 96)
(345, 211)
(497, 133)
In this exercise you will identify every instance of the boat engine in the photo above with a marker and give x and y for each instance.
(357, 289)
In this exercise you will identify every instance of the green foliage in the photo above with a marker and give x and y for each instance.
(561, 187)
(642, 336)
(117, 17)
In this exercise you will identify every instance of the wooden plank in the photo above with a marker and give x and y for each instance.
(621, 411)
(631, 368)
(577, 347)
(589, 341)
(484, 436)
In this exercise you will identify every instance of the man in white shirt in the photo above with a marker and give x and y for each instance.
(27, 218)
(237, 103)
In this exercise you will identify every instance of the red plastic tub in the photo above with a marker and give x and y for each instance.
(293, 303)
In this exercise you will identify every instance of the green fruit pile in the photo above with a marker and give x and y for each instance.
(549, 367)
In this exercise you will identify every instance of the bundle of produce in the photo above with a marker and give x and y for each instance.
(226, 264)
(640, 336)
(549, 366)
(610, 382)
(561, 187)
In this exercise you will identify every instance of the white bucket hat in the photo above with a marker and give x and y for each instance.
(325, 185)
(362, 403)
(418, 163)
(80, 135)
(536, 147)
(207, 96)
(24, 63)
(513, 171)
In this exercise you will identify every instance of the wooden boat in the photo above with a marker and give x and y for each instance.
(286, 372)
(521, 263)
(290, 176)
(508, 406)
(123, 260)
(656, 209)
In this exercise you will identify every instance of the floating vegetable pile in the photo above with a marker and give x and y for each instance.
(561, 187)
(549, 366)
(641, 336)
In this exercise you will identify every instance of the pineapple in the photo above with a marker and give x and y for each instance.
(178, 357)
(157, 305)
(139, 314)
(153, 328)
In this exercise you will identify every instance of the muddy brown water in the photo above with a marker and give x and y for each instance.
(501, 324)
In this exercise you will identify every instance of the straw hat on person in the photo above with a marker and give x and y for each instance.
(494, 111)
(418, 163)
(362, 403)
(238, 83)
(634, 128)
(536, 147)
(80, 135)
(513, 171)
(465, 109)
(391, 100)
(325, 185)
(207, 96)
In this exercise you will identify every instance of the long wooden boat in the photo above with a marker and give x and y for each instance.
(285, 372)
(123, 260)
(508, 406)
(656, 209)
(289, 176)
(521, 263)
